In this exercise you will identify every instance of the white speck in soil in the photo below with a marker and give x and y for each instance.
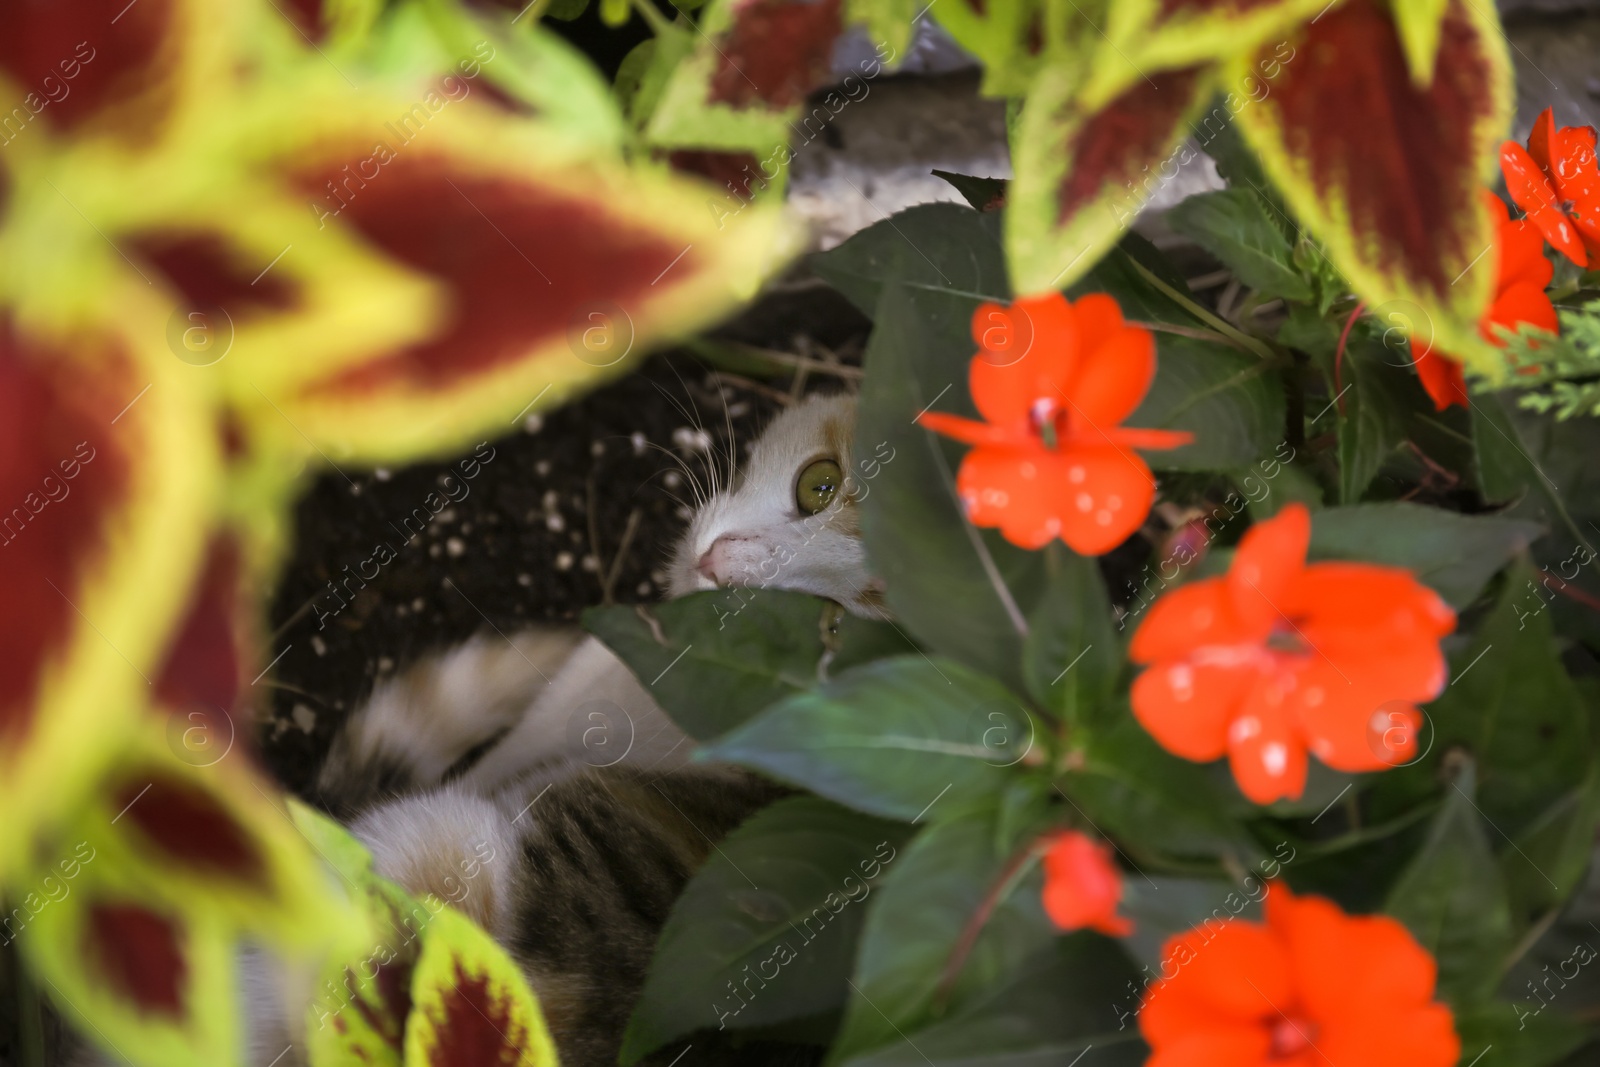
(738, 409)
(466, 528)
(400, 611)
(433, 551)
(533, 423)
(639, 442)
(597, 448)
(542, 468)
(385, 664)
(590, 564)
(683, 513)
(382, 474)
(447, 515)
(304, 717)
(318, 645)
(455, 546)
(551, 500)
(524, 580)
(659, 577)
(671, 480)
(644, 589)
(555, 522)
(563, 561)
(355, 489)
(418, 604)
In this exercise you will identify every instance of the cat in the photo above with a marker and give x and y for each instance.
(451, 762)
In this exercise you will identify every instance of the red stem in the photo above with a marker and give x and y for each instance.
(1338, 354)
(980, 918)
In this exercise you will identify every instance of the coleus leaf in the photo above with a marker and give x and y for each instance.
(154, 983)
(106, 465)
(751, 68)
(208, 839)
(546, 272)
(1419, 24)
(1007, 36)
(1144, 37)
(1386, 174)
(471, 1004)
(1075, 189)
(108, 68)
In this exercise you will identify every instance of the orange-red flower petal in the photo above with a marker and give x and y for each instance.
(1082, 886)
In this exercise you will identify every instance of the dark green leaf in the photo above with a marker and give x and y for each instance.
(1517, 1035)
(890, 738)
(1452, 898)
(1230, 400)
(943, 247)
(1554, 850)
(1511, 704)
(1063, 1005)
(1072, 656)
(984, 194)
(1454, 554)
(1375, 409)
(767, 929)
(949, 585)
(929, 897)
(1233, 225)
(724, 655)
(1150, 800)
(1118, 275)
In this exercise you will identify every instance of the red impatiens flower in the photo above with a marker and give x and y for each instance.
(1054, 379)
(1082, 886)
(1279, 656)
(1312, 986)
(1521, 274)
(1556, 180)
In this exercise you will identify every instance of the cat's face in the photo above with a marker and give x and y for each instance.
(789, 522)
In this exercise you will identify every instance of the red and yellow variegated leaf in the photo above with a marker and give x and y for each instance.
(1386, 174)
(1419, 22)
(547, 271)
(364, 997)
(1081, 175)
(1144, 37)
(153, 983)
(471, 1004)
(106, 467)
(209, 837)
(748, 74)
(1008, 36)
(106, 67)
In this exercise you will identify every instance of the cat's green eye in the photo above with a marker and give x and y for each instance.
(817, 485)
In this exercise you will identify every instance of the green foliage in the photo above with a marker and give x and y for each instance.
(1560, 375)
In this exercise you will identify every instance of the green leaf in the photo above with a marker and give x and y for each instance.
(1072, 656)
(1519, 1034)
(984, 194)
(1050, 1009)
(1230, 400)
(1233, 225)
(724, 655)
(1452, 898)
(1377, 403)
(956, 589)
(1512, 705)
(931, 246)
(1120, 275)
(935, 891)
(1454, 554)
(1151, 801)
(766, 931)
(890, 738)
(1552, 853)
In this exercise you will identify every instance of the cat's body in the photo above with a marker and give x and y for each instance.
(593, 835)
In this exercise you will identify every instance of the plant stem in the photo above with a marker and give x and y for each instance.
(1240, 340)
(652, 16)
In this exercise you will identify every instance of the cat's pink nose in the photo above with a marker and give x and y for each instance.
(716, 563)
